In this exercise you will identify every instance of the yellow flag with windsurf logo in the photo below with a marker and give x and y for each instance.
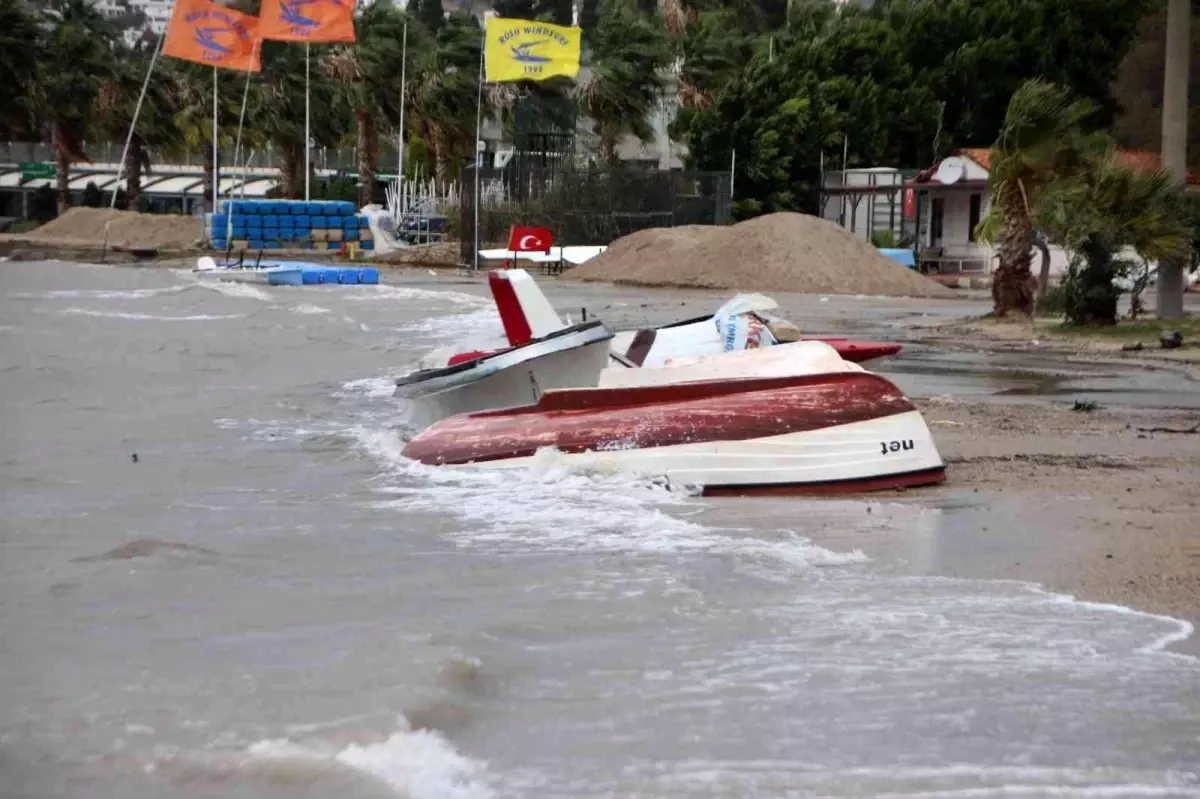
(521, 49)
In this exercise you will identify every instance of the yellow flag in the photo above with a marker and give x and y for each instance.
(519, 49)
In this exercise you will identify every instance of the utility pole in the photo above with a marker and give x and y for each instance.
(1174, 140)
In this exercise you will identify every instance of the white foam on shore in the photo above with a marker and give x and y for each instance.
(228, 288)
(384, 291)
(144, 317)
(551, 507)
(418, 764)
(309, 309)
(105, 294)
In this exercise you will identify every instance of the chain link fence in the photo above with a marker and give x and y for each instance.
(588, 206)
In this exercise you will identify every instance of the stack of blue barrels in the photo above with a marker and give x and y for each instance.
(289, 224)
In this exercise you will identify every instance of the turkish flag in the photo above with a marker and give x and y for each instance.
(529, 239)
(910, 202)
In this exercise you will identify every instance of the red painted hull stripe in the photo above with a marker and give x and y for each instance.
(661, 416)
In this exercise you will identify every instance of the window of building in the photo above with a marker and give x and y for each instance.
(976, 205)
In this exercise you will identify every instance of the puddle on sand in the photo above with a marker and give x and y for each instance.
(924, 372)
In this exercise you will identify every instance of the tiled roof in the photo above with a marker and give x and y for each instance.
(1137, 160)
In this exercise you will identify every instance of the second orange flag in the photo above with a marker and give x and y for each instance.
(308, 20)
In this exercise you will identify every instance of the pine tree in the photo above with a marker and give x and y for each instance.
(515, 9)
(430, 13)
(589, 16)
(556, 11)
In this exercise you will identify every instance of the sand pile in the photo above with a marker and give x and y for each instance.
(777, 252)
(437, 253)
(129, 229)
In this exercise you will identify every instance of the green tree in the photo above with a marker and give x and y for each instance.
(516, 9)
(629, 52)
(116, 102)
(1103, 209)
(74, 53)
(557, 11)
(18, 27)
(1040, 143)
(430, 13)
(589, 17)
(782, 114)
(976, 53)
(368, 76)
(446, 92)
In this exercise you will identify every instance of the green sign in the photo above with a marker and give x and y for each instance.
(33, 170)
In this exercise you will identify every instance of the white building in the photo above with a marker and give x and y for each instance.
(939, 209)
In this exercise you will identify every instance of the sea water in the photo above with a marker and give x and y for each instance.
(270, 601)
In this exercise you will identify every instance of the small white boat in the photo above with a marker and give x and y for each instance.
(574, 356)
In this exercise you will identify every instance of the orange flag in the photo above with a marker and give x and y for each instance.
(211, 34)
(308, 20)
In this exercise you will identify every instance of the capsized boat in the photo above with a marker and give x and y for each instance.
(573, 356)
(796, 418)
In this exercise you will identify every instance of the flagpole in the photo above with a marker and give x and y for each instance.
(478, 140)
(237, 145)
(137, 110)
(307, 126)
(400, 139)
(216, 187)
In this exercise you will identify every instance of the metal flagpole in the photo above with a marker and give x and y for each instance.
(216, 186)
(237, 145)
(403, 97)
(307, 125)
(479, 141)
(137, 110)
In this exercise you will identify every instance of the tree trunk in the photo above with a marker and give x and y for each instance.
(62, 177)
(1014, 288)
(207, 193)
(1044, 277)
(368, 155)
(439, 157)
(1174, 141)
(1091, 295)
(133, 172)
(290, 160)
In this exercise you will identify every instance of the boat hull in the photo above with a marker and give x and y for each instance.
(513, 377)
(844, 432)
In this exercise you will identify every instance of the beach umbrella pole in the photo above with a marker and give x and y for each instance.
(216, 186)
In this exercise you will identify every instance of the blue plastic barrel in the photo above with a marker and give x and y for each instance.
(368, 275)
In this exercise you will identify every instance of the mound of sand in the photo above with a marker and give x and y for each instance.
(129, 229)
(777, 252)
(438, 253)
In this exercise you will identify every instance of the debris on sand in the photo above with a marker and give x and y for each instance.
(776, 252)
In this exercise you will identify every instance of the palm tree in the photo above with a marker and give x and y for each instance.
(116, 102)
(74, 53)
(369, 76)
(1040, 141)
(1104, 209)
(18, 27)
(625, 82)
(444, 100)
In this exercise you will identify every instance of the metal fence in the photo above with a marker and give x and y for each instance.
(589, 206)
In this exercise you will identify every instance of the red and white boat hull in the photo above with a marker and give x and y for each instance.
(844, 432)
